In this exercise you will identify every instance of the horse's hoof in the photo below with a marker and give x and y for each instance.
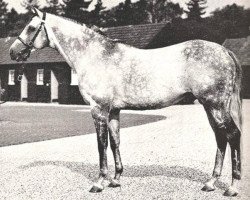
(96, 188)
(114, 183)
(231, 192)
(208, 187)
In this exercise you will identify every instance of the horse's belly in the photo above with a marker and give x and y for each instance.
(149, 99)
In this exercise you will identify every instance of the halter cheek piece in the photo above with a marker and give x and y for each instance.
(30, 44)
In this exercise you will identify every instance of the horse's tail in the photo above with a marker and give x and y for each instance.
(236, 99)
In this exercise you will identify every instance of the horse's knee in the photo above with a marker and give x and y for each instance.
(99, 115)
(236, 174)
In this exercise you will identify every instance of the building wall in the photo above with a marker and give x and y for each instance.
(67, 93)
(37, 93)
(246, 82)
(12, 92)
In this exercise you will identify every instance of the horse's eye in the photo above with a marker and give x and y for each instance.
(31, 28)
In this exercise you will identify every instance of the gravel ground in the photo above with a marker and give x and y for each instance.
(167, 159)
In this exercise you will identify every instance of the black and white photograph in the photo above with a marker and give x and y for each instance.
(124, 99)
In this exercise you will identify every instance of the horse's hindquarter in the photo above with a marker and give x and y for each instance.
(209, 69)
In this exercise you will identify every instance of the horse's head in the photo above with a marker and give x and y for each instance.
(34, 36)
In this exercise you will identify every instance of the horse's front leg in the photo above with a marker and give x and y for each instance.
(100, 117)
(114, 134)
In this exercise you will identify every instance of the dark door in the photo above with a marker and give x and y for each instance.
(43, 90)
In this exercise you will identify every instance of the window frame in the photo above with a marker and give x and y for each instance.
(11, 77)
(40, 77)
(74, 77)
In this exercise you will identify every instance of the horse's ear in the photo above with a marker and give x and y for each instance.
(36, 12)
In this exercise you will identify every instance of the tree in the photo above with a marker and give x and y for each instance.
(163, 10)
(76, 9)
(3, 18)
(74, 4)
(96, 14)
(28, 3)
(143, 11)
(124, 13)
(12, 20)
(195, 9)
(233, 12)
(234, 20)
(16, 22)
(54, 7)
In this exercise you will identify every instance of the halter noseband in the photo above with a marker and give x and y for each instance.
(30, 44)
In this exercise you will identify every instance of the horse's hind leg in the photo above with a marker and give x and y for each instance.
(114, 135)
(216, 121)
(225, 131)
(234, 142)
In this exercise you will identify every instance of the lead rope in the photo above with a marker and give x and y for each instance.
(20, 72)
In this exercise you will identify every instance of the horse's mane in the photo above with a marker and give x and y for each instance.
(92, 27)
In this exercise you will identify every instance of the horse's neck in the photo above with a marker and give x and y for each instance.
(76, 42)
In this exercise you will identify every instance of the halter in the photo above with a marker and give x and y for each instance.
(30, 44)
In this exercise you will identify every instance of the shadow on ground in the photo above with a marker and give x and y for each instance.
(33, 124)
(90, 171)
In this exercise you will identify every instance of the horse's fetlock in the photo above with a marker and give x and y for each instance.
(119, 169)
(103, 173)
(236, 175)
(217, 174)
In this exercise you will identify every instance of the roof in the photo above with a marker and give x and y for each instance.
(245, 53)
(139, 36)
(241, 47)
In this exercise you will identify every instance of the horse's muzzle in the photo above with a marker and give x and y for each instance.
(19, 56)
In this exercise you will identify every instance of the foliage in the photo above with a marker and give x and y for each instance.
(143, 11)
(28, 3)
(229, 22)
(96, 16)
(3, 18)
(54, 7)
(195, 9)
(234, 20)
(74, 9)
(163, 10)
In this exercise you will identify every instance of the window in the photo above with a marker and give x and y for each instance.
(74, 78)
(40, 76)
(11, 77)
